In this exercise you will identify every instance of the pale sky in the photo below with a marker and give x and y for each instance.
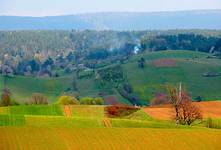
(67, 7)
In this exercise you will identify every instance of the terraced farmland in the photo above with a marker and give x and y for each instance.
(87, 127)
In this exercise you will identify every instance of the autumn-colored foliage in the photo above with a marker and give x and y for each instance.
(67, 100)
(188, 112)
(185, 111)
(119, 110)
(6, 97)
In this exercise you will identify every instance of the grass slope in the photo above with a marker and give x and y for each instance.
(150, 80)
(146, 82)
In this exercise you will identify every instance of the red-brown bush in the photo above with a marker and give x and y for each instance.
(120, 110)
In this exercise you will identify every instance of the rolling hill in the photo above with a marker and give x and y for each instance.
(199, 19)
(189, 68)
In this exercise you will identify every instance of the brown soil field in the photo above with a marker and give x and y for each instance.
(166, 112)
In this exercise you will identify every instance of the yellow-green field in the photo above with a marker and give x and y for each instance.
(25, 138)
(88, 128)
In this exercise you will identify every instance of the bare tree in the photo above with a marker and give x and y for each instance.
(188, 112)
(6, 97)
(173, 96)
(38, 99)
(185, 111)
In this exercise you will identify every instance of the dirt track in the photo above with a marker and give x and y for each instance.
(68, 111)
(166, 112)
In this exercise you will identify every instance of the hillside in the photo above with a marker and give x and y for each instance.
(199, 19)
(188, 67)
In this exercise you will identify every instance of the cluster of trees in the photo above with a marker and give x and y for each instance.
(181, 42)
(113, 75)
(41, 99)
(19, 65)
(126, 91)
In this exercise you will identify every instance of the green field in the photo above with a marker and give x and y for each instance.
(150, 80)
(145, 82)
(47, 127)
(82, 116)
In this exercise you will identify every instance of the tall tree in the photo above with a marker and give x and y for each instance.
(185, 111)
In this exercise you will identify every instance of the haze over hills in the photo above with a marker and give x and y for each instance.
(195, 19)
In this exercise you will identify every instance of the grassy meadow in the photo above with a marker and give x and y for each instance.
(190, 67)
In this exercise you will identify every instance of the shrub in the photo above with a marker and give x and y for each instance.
(14, 103)
(99, 101)
(67, 100)
(213, 123)
(6, 97)
(92, 101)
(209, 123)
(38, 99)
(198, 98)
(120, 110)
(87, 101)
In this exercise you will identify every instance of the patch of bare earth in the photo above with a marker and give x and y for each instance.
(165, 63)
(107, 122)
(166, 112)
(68, 111)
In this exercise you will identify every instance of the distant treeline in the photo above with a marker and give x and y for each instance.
(181, 42)
(49, 52)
